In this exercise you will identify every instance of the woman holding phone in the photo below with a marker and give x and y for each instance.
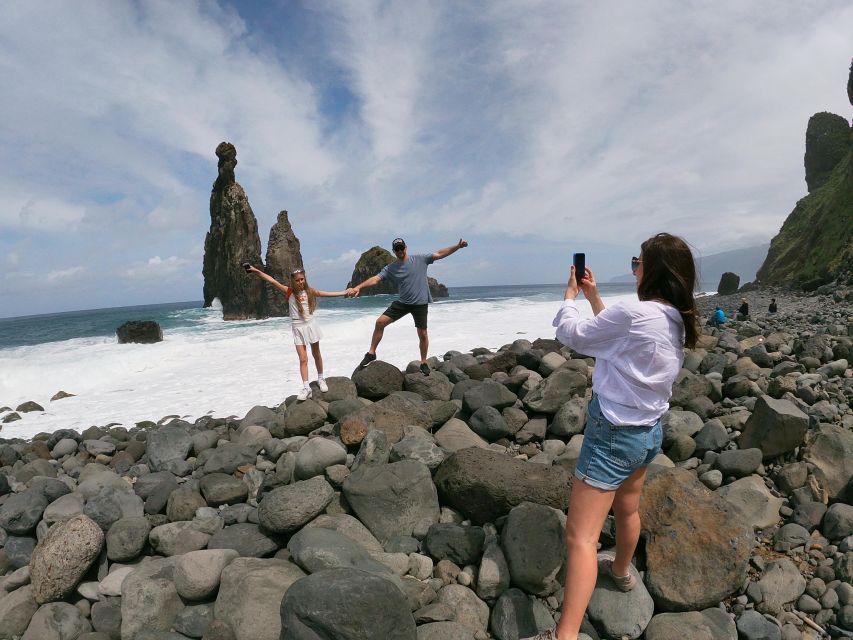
(639, 348)
(302, 301)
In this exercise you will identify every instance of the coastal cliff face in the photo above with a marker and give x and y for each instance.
(283, 256)
(372, 261)
(232, 240)
(815, 244)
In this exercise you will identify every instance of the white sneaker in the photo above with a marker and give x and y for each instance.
(304, 394)
(322, 384)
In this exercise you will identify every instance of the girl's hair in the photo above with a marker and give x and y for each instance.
(312, 294)
(669, 274)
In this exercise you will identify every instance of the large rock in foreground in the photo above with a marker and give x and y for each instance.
(393, 499)
(485, 485)
(775, 427)
(141, 331)
(63, 556)
(345, 604)
(697, 549)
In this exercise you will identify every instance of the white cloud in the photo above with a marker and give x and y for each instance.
(64, 275)
(156, 268)
(348, 257)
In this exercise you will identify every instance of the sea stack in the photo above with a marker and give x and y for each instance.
(283, 256)
(232, 240)
(372, 261)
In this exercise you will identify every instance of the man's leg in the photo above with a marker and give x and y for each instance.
(378, 330)
(423, 343)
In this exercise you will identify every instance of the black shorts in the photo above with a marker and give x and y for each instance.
(399, 309)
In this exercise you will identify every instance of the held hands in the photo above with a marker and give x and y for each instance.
(352, 292)
(461, 244)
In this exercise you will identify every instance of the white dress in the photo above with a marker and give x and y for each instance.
(305, 331)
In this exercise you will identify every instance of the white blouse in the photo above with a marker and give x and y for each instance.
(638, 346)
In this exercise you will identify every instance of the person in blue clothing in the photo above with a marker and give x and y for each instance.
(409, 273)
(718, 318)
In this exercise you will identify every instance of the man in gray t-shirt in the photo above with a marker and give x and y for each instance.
(409, 273)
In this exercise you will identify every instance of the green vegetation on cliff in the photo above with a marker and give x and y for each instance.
(815, 243)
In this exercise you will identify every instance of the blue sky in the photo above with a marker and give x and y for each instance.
(532, 129)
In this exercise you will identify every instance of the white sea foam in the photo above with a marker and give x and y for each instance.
(226, 368)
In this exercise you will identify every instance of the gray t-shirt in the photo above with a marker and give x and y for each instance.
(410, 276)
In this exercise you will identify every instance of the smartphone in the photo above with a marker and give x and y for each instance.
(247, 266)
(579, 260)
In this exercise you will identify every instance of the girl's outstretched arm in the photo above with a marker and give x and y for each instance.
(329, 294)
(265, 276)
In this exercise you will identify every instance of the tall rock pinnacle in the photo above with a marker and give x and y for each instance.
(232, 240)
(283, 256)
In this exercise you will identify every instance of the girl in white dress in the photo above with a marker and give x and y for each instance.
(302, 300)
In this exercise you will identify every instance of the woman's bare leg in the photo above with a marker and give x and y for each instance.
(626, 509)
(588, 509)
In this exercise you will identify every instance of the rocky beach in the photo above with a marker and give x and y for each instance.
(402, 506)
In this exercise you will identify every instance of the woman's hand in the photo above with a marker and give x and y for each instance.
(572, 286)
(588, 285)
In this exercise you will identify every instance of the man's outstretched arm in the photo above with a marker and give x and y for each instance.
(353, 292)
(443, 253)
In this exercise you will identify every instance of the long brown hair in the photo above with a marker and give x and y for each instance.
(669, 274)
(312, 294)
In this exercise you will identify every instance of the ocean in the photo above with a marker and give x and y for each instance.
(206, 366)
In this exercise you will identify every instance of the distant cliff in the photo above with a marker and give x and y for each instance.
(372, 261)
(815, 244)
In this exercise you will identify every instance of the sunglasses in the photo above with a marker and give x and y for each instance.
(295, 271)
(635, 264)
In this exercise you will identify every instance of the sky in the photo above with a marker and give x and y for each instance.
(531, 128)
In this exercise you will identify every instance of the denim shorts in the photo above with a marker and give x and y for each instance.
(610, 454)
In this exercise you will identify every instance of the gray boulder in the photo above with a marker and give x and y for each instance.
(286, 509)
(534, 549)
(435, 386)
(775, 427)
(838, 521)
(63, 556)
(378, 380)
(485, 485)
(679, 423)
(493, 575)
(315, 455)
(346, 604)
(518, 615)
(222, 488)
(468, 609)
(317, 549)
(455, 435)
(710, 624)
(831, 452)
(350, 527)
(303, 417)
(487, 393)
(16, 610)
(149, 600)
(618, 614)
(126, 538)
(228, 456)
(245, 538)
(758, 507)
(21, 512)
(553, 391)
(445, 630)
(753, 626)
(167, 449)
(250, 594)
(570, 418)
(459, 544)
(197, 573)
(419, 449)
(739, 462)
(57, 621)
(393, 499)
(490, 424)
(781, 583)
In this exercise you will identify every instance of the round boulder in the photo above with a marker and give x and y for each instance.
(378, 380)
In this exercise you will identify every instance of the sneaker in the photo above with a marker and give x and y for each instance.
(304, 394)
(424, 368)
(366, 360)
(551, 634)
(623, 583)
(322, 384)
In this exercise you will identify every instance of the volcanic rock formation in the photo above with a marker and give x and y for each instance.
(232, 240)
(815, 244)
(283, 256)
(372, 261)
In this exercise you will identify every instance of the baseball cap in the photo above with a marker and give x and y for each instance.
(398, 243)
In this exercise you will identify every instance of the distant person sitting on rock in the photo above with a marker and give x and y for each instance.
(639, 348)
(718, 317)
(303, 302)
(743, 310)
(772, 308)
(409, 273)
